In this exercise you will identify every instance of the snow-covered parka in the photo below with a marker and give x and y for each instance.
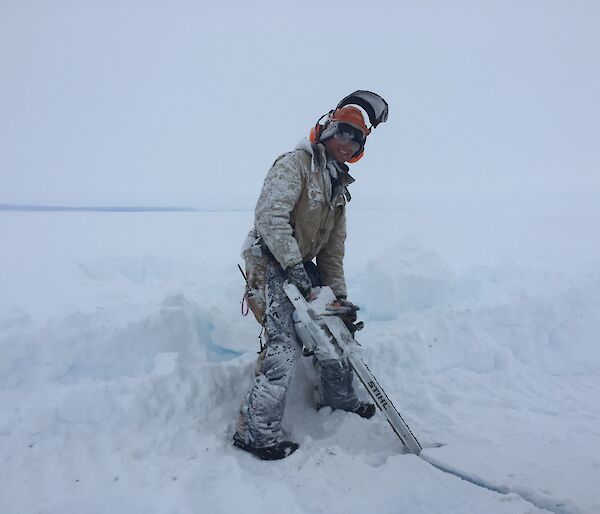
(300, 215)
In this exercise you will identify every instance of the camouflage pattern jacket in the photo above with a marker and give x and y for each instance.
(300, 215)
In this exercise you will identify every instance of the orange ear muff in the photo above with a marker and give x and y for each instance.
(356, 157)
(315, 133)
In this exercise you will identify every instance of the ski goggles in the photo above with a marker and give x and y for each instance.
(349, 135)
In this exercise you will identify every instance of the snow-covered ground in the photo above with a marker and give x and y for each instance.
(123, 359)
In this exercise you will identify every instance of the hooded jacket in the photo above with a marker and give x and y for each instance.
(301, 214)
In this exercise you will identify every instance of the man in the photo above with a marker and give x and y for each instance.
(300, 216)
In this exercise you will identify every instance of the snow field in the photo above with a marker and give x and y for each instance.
(123, 359)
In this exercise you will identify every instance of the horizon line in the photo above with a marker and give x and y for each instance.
(9, 207)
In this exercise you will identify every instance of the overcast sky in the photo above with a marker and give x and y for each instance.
(188, 103)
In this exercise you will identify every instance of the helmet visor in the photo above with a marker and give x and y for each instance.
(375, 106)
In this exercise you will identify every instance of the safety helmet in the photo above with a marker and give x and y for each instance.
(347, 114)
(352, 116)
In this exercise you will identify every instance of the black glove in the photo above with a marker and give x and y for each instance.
(346, 310)
(297, 275)
(343, 308)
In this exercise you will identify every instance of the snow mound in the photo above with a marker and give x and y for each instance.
(407, 276)
(121, 376)
(479, 319)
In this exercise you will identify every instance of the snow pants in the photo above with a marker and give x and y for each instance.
(261, 412)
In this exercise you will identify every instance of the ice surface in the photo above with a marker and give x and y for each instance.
(124, 356)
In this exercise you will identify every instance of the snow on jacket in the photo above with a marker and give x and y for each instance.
(301, 214)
